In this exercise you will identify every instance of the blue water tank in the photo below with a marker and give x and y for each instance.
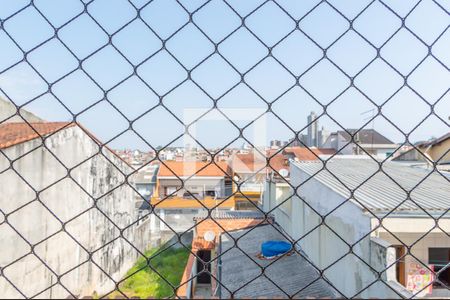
(275, 248)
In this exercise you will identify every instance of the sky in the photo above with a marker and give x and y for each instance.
(128, 70)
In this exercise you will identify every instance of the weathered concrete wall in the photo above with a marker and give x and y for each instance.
(325, 245)
(78, 218)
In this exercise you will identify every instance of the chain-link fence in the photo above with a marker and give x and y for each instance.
(205, 207)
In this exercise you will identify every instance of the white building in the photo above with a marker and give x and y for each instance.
(340, 231)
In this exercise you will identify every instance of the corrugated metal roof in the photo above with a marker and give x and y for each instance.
(380, 191)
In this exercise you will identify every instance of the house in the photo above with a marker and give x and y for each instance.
(403, 236)
(216, 258)
(249, 173)
(373, 143)
(61, 216)
(183, 189)
(193, 184)
(436, 150)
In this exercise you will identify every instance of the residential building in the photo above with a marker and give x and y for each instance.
(249, 173)
(302, 141)
(145, 182)
(45, 205)
(373, 143)
(275, 144)
(436, 150)
(353, 219)
(323, 136)
(218, 258)
(183, 184)
(183, 189)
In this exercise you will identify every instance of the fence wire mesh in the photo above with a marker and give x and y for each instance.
(77, 56)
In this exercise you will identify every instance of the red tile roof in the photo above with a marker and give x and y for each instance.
(277, 161)
(183, 168)
(303, 153)
(16, 133)
(251, 162)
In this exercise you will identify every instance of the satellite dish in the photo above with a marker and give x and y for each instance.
(209, 236)
(284, 172)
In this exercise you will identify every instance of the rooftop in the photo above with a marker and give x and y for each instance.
(248, 162)
(187, 169)
(377, 191)
(366, 136)
(304, 153)
(292, 276)
(16, 133)
(435, 141)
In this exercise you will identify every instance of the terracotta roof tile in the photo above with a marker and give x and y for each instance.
(303, 153)
(277, 161)
(16, 133)
(183, 168)
(250, 162)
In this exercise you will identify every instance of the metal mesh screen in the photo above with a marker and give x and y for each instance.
(85, 62)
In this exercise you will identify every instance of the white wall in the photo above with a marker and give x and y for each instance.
(90, 226)
(325, 245)
(274, 195)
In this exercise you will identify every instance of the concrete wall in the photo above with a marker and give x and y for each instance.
(412, 233)
(7, 109)
(325, 245)
(72, 206)
(274, 195)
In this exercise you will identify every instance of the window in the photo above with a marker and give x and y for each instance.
(170, 190)
(191, 195)
(210, 193)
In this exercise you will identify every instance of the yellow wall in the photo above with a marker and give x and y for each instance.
(439, 149)
(178, 202)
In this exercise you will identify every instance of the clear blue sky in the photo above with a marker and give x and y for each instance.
(269, 79)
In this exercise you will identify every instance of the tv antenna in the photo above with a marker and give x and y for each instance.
(372, 111)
